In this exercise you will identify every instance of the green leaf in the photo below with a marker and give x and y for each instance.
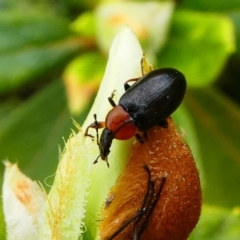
(31, 44)
(31, 63)
(31, 133)
(217, 224)
(30, 28)
(2, 223)
(82, 67)
(215, 5)
(81, 81)
(199, 45)
(235, 16)
(26, 132)
(85, 25)
(217, 119)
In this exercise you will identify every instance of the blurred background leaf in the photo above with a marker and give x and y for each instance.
(217, 223)
(52, 61)
(216, 121)
(210, 40)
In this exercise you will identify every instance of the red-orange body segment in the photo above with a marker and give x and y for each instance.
(120, 123)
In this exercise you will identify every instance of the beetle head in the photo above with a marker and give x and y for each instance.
(105, 143)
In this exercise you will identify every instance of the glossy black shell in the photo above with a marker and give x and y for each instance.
(154, 97)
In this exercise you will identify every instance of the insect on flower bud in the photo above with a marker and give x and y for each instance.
(158, 196)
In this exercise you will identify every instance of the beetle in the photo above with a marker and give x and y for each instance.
(148, 102)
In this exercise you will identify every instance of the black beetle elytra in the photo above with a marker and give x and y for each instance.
(146, 103)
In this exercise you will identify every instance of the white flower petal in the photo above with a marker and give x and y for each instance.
(23, 200)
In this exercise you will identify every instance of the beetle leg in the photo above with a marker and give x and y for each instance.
(139, 138)
(145, 135)
(129, 221)
(110, 99)
(148, 204)
(143, 138)
(154, 198)
(96, 125)
(138, 230)
(139, 213)
(163, 123)
(150, 189)
(127, 86)
(145, 205)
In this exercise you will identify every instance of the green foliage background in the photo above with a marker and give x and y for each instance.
(37, 44)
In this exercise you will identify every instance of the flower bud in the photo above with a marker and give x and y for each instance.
(161, 172)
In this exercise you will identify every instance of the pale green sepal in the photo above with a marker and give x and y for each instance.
(65, 210)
